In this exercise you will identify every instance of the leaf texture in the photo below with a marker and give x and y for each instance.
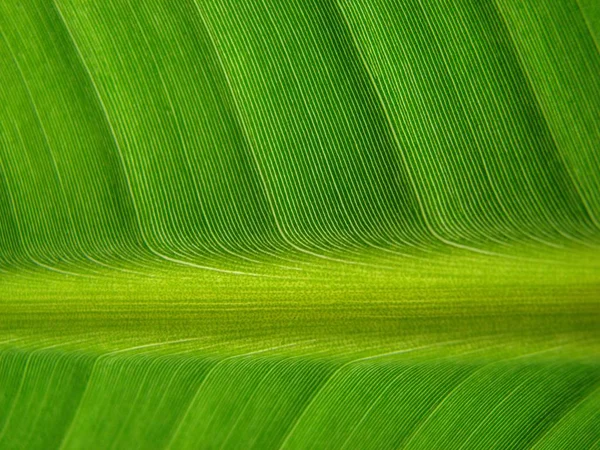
(318, 224)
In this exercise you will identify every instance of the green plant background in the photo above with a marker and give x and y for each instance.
(299, 224)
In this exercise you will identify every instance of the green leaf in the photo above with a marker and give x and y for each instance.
(318, 224)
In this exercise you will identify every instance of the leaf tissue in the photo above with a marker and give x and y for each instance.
(332, 224)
